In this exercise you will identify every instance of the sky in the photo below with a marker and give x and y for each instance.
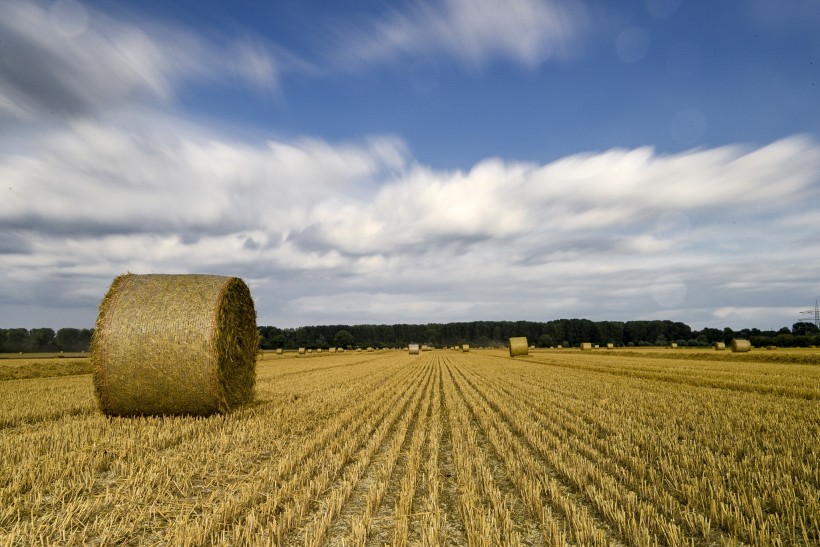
(413, 162)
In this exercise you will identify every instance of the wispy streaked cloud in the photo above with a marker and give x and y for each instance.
(471, 33)
(64, 58)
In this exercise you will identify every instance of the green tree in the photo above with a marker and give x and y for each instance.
(803, 327)
(68, 339)
(342, 339)
(41, 339)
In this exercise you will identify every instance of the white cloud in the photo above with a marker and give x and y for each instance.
(473, 33)
(314, 225)
(72, 60)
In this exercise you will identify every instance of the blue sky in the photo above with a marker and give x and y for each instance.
(363, 162)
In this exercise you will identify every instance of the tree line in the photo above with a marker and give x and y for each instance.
(44, 340)
(566, 332)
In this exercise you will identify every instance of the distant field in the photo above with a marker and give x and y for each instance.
(623, 447)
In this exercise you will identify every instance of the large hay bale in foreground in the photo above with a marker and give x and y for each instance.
(174, 344)
(519, 346)
(413, 349)
(741, 346)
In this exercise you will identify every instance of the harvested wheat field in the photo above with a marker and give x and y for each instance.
(443, 448)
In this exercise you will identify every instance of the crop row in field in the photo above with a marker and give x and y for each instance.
(443, 448)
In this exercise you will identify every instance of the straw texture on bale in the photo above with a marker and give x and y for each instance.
(174, 345)
(741, 346)
(720, 346)
(519, 346)
(586, 346)
(413, 349)
(465, 348)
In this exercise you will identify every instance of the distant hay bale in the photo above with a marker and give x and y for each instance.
(741, 346)
(720, 346)
(465, 348)
(519, 346)
(302, 351)
(610, 345)
(319, 350)
(174, 345)
(310, 350)
(369, 349)
(332, 350)
(596, 346)
(279, 351)
(673, 345)
(771, 347)
(560, 346)
(413, 349)
(586, 346)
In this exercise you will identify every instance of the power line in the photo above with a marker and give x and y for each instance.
(811, 316)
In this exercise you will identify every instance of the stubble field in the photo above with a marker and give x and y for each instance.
(444, 448)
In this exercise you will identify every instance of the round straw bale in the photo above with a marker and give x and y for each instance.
(302, 351)
(673, 345)
(586, 346)
(519, 346)
(720, 346)
(174, 344)
(413, 349)
(465, 348)
(610, 345)
(741, 346)
(279, 351)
